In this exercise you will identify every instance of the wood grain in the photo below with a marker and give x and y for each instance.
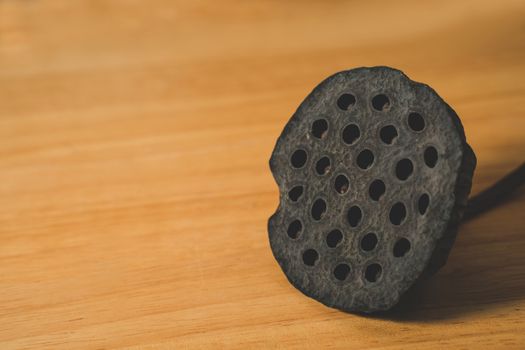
(134, 180)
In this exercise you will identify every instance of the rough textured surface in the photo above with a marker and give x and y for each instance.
(374, 173)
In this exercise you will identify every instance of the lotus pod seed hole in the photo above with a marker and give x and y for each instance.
(430, 156)
(423, 203)
(416, 122)
(381, 102)
(398, 213)
(333, 238)
(322, 167)
(299, 158)
(295, 193)
(373, 272)
(341, 272)
(365, 159)
(404, 169)
(388, 134)
(318, 209)
(341, 184)
(376, 190)
(345, 101)
(320, 128)
(294, 229)
(401, 247)
(354, 216)
(310, 257)
(351, 134)
(369, 242)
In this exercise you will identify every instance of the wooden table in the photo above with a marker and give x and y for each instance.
(134, 179)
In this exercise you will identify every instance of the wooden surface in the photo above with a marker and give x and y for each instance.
(134, 180)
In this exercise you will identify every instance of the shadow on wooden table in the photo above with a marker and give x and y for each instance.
(486, 270)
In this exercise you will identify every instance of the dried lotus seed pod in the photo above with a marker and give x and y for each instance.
(374, 173)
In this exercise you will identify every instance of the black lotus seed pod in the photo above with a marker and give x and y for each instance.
(374, 173)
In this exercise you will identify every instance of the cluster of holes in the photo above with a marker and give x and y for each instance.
(377, 188)
(380, 102)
